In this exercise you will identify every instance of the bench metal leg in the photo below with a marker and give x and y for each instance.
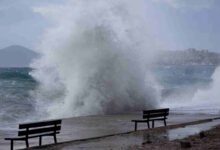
(55, 138)
(152, 123)
(12, 144)
(40, 140)
(148, 124)
(27, 144)
(135, 126)
(165, 124)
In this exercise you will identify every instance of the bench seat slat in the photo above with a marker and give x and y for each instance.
(48, 134)
(146, 120)
(152, 115)
(38, 130)
(33, 136)
(155, 115)
(15, 138)
(156, 110)
(39, 124)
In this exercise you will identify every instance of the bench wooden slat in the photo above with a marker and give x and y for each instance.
(39, 130)
(138, 120)
(39, 124)
(147, 120)
(47, 134)
(155, 115)
(156, 110)
(29, 137)
(152, 115)
(15, 138)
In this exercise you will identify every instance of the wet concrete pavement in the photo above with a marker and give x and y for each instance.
(93, 126)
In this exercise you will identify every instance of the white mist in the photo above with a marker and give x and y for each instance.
(95, 59)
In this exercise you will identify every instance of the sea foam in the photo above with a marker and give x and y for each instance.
(96, 59)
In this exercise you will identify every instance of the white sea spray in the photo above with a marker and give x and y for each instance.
(96, 59)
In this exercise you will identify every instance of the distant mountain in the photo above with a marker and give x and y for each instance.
(188, 57)
(16, 56)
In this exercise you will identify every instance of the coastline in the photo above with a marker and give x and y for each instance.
(204, 140)
(87, 127)
(155, 138)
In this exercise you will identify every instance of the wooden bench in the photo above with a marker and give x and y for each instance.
(37, 129)
(152, 115)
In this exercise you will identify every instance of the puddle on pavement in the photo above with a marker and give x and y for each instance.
(179, 133)
(147, 137)
(184, 132)
(125, 141)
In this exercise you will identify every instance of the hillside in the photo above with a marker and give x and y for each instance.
(19, 56)
(188, 57)
(16, 56)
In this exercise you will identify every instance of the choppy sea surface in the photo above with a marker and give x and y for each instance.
(183, 80)
(16, 103)
(17, 85)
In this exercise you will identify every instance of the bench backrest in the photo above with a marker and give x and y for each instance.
(38, 128)
(147, 114)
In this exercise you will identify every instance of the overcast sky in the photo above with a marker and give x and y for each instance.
(178, 24)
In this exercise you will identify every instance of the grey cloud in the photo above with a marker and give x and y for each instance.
(188, 4)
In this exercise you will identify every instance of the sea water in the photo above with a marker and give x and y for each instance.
(18, 102)
(98, 58)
